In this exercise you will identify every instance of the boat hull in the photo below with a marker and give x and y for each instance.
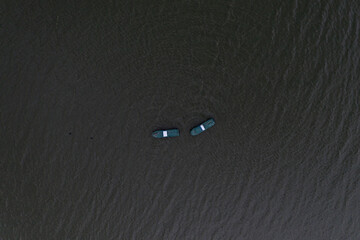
(202, 127)
(166, 133)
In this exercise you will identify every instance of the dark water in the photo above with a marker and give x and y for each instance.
(84, 84)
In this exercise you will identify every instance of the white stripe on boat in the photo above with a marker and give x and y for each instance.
(165, 133)
(202, 127)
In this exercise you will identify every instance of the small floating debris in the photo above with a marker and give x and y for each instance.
(166, 133)
(202, 127)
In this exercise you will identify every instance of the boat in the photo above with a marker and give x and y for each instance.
(202, 127)
(166, 133)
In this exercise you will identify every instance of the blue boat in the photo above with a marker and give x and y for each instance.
(202, 127)
(166, 133)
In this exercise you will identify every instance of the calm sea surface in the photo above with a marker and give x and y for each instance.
(83, 85)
